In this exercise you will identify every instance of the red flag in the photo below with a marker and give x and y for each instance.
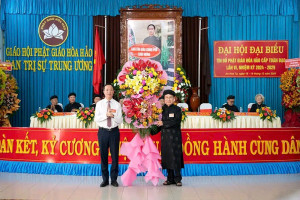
(99, 60)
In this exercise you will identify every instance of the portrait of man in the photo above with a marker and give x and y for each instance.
(159, 33)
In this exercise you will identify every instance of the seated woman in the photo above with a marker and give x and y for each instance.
(259, 98)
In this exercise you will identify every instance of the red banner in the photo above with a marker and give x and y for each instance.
(144, 50)
(199, 145)
(246, 59)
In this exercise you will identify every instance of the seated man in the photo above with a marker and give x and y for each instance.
(230, 104)
(97, 98)
(72, 106)
(54, 106)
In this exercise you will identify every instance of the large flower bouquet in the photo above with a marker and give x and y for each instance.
(2, 85)
(9, 98)
(44, 115)
(290, 86)
(223, 115)
(86, 115)
(143, 78)
(181, 84)
(266, 113)
(142, 82)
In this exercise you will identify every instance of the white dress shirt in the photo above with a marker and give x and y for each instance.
(101, 110)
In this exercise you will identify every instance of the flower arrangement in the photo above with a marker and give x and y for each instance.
(223, 115)
(86, 115)
(142, 78)
(9, 98)
(184, 115)
(266, 113)
(181, 84)
(290, 85)
(2, 85)
(142, 82)
(117, 94)
(44, 115)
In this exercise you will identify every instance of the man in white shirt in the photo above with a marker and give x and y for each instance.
(108, 116)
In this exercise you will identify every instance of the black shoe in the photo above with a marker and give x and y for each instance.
(114, 183)
(169, 182)
(179, 184)
(103, 184)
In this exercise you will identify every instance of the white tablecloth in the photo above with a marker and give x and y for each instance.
(191, 122)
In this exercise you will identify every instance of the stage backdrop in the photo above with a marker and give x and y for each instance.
(227, 20)
(42, 70)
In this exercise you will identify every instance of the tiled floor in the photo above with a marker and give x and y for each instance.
(264, 187)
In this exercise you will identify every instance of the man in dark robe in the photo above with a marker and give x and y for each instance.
(171, 139)
(97, 98)
(230, 104)
(72, 106)
(54, 106)
(151, 39)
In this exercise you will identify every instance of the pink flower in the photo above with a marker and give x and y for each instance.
(142, 91)
(134, 72)
(144, 82)
(85, 117)
(151, 75)
(265, 114)
(88, 113)
(228, 117)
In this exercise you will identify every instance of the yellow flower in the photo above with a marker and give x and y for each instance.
(182, 118)
(145, 87)
(48, 113)
(257, 110)
(175, 85)
(178, 69)
(154, 73)
(144, 123)
(268, 117)
(81, 118)
(181, 73)
(138, 72)
(218, 113)
(85, 111)
(261, 115)
(274, 115)
(92, 115)
(176, 81)
(90, 119)
(183, 77)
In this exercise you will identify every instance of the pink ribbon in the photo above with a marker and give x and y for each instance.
(143, 156)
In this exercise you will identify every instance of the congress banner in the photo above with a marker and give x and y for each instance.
(245, 59)
(199, 145)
